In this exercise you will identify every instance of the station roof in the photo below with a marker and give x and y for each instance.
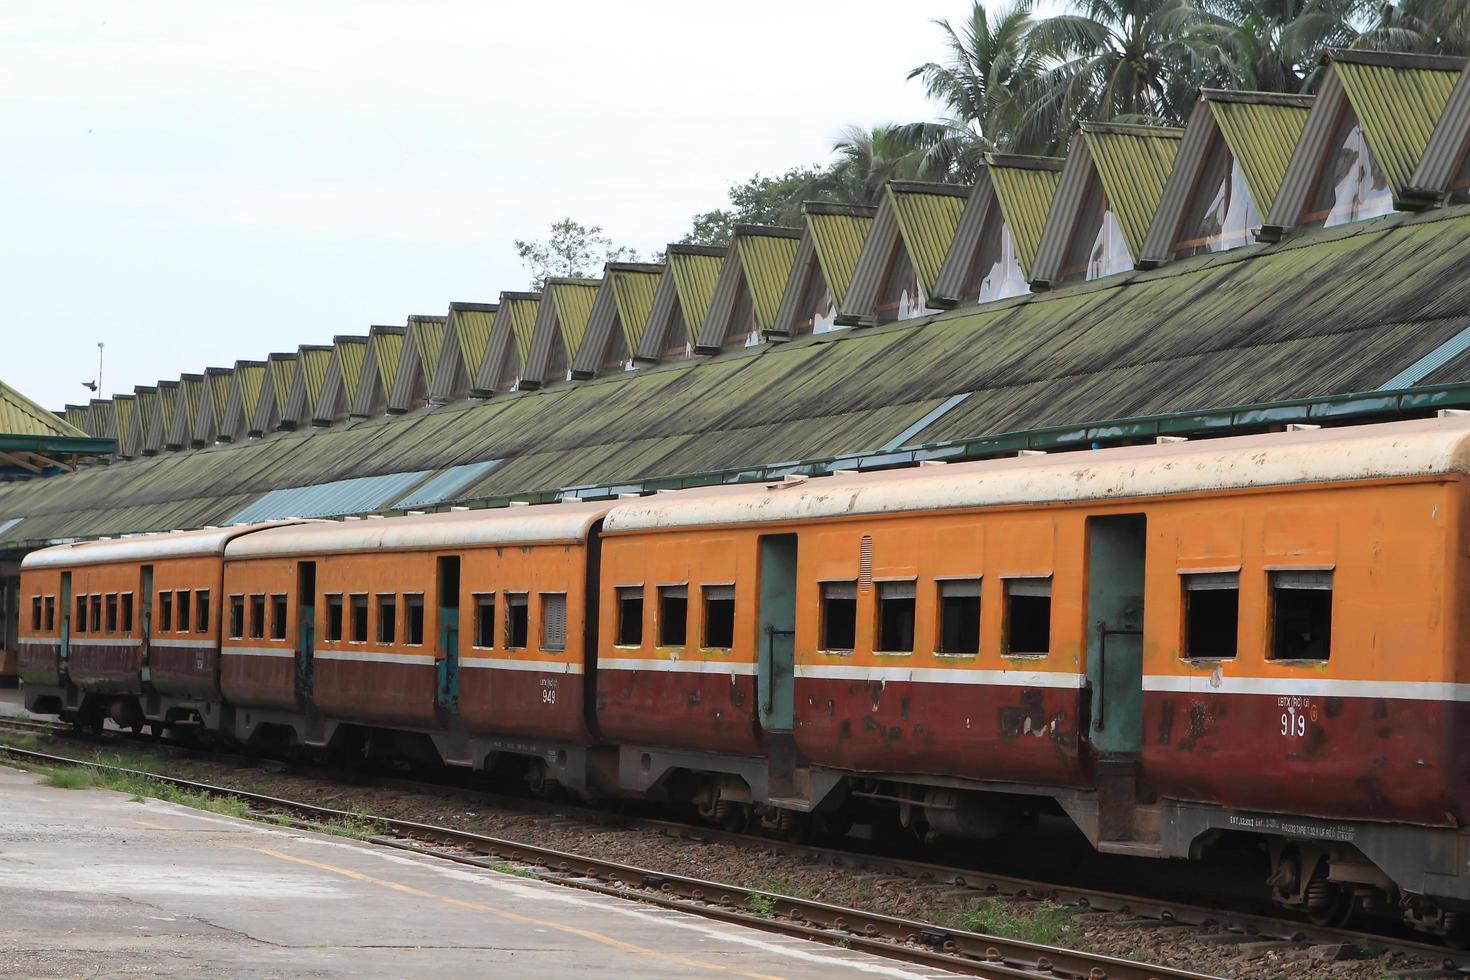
(35, 442)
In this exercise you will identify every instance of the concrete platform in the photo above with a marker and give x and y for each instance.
(95, 884)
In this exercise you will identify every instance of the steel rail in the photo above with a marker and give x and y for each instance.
(906, 939)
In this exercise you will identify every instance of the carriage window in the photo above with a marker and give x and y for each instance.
(959, 616)
(165, 612)
(553, 621)
(719, 616)
(896, 617)
(359, 606)
(181, 604)
(1301, 615)
(80, 625)
(1211, 615)
(413, 614)
(35, 614)
(237, 616)
(50, 613)
(257, 616)
(839, 615)
(201, 611)
(278, 616)
(484, 619)
(517, 620)
(127, 612)
(334, 617)
(673, 615)
(1028, 616)
(387, 617)
(630, 616)
(95, 614)
(112, 612)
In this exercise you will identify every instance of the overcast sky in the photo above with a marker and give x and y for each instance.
(194, 183)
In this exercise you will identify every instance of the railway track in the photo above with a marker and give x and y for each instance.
(1253, 932)
(889, 936)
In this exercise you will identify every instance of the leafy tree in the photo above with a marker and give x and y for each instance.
(762, 200)
(574, 251)
(1272, 45)
(1425, 26)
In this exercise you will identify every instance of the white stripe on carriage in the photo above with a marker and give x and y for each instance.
(284, 653)
(1322, 687)
(375, 657)
(190, 644)
(942, 675)
(677, 666)
(539, 666)
(121, 641)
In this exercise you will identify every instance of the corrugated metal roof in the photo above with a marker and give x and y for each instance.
(9, 524)
(633, 290)
(186, 411)
(359, 495)
(162, 420)
(927, 216)
(219, 390)
(388, 347)
(100, 420)
(427, 334)
(75, 416)
(125, 408)
(446, 484)
(520, 313)
(1024, 192)
(1446, 150)
(472, 330)
(1261, 132)
(766, 259)
(1398, 100)
(695, 275)
(838, 234)
(23, 417)
(248, 384)
(467, 335)
(573, 299)
(147, 399)
(282, 370)
(1133, 163)
(350, 351)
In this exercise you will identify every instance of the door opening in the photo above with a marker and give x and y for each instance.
(305, 627)
(447, 661)
(145, 645)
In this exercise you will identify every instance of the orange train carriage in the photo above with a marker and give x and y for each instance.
(1178, 646)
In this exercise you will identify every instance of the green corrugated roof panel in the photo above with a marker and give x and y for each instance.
(388, 348)
(191, 390)
(1261, 135)
(428, 338)
(1398, 100)
(101, 422)
(1024, 195)
(927, 218)
(767, 261)
(633, 290)
(472, 329)
(838, 236)
(695, 276)
(75, 416)
(573, 299)
(250, 381)
(351, 351)
(21, 416)
(1133, 163)
(312, 362)
(282, 368)
(522, 315)
(125, 412)
(219, 390)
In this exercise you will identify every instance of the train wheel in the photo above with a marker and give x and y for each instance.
(1457, 930)
(792, 825)
(1329, 903)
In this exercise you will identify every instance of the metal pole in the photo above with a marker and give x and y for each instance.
(100, 389)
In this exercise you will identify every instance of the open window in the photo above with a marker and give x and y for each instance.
(95, 613)
(517, 620)
(278, 616)
(80, 624)
(111, 612)
(673, 615)
(35, 614)
(1028, 617)
(484, 619)
(165, 612)
(839, 616)
(358, 609)
(553, 621)
(1211, 615)
(237, 617)
(181, 610)
(50, 613)
(257, 617)
(201, 611)
(959, 617)
(387, 618)
(413, 619)
(719, 616)
(1301, 615)
(126, 601)
(334, 617)
(630, 616)
(895, 617)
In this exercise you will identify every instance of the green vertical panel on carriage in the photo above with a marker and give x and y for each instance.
(65, 621)
(145, 592)
(305, 628)
(777, 635)
(447, 661)
(1115, 586)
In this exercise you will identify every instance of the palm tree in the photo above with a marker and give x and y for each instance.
(988, 64)
(1123, 60)
(1272, 45)
(1427, 26)
(869, 158)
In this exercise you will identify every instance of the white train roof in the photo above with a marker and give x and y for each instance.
(1395, 449)
(157, 546)
(541, 524)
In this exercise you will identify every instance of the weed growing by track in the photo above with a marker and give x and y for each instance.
(356, 825)
(136, 784)
(1046, 923)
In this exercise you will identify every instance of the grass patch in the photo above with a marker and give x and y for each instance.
(761, 905)
(1046, 923)
(783, 885)
(139, 787)
(511, 869)
(357, 825)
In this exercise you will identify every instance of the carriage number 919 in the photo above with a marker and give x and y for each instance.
(1294, 720)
